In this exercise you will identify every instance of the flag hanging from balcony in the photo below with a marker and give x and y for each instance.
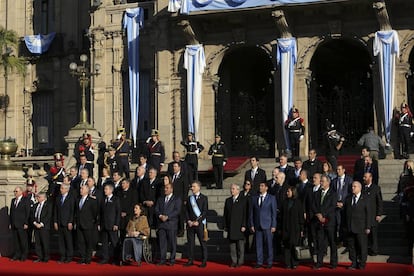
(386, 47)
(39, 44)
(194, 62)
(133, 22)
(286, 58)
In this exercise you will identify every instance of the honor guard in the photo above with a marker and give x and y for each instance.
(218, 151)
(56, 175)
(123, 149)
(193, 148)
(156, 152)
(405, 122)
(85, 147)
(296, 128)
(31, 190)
(111, 161)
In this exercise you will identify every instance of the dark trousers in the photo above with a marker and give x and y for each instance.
(264, 239)
(124, 166)
(21, 247)
(313, 237)
(109, 236)
(42, 244)
(218, 175)
(86, 243)
(409, 226)
(191, 233)
(325, 237)
(65, 243)
(192, 170)
(373, 239)
(289, 254)
(405, 140)
(181, 219)
(358, 248)
(237, 251)
(167, 237)
(294, 143)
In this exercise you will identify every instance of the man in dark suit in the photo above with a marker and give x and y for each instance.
(167, 210)
(42, 219)
(235, 224)
(63, 221)
(311, 221)
(180, 187)
(357, 223)
(262, 222)
(374, 196)
(372, 167)
(324, 209)
(86, 213)
(139, 181)
(288, 170)
(303, 185)
(218, 151)
(110, 218)
(85, 164)
(255, 175)
(149, 195)
(312, 165)
(19, 224)
(74, 179)
(360, 166)
(128, 198)
(342, 185)
(196, 212)
(117, 182)
(183, 165)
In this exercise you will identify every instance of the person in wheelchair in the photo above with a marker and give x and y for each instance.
(137, 230)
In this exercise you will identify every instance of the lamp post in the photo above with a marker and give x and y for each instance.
(84, 75)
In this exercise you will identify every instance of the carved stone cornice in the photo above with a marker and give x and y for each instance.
(382, 15)
(281, 23)
(188, 32)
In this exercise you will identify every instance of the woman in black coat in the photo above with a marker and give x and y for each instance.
(292, 226)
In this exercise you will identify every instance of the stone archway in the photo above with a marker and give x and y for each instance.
(245, 101)
(341, 90)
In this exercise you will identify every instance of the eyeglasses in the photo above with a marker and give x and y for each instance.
(15, 191)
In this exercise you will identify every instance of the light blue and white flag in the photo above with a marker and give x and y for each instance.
(386, 47)
(194, 62)
(39, 44)
(133, 22)
(286, 57)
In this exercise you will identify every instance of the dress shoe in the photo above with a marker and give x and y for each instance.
(45, 260)
(14, 259)
(161, 263)
(61, 261)
(352, 267)
(294, 267)
(171, 263)
(37, 261)
(333, 266)
(269, 266)
(67, 260)
(103, 262)
(23, 259)
(361, 267)
(203, 264)
(139, 263)
(180, 233)
(317, 267)
(373, 253)
(257, 266)
(189, 263)
(81, 261)
(233, 265)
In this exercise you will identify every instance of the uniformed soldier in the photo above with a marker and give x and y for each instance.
(111, 160)
(85, 147)
(56, 175)
(218, 151)
(193, 148)
(296, 128)
(405, 122)
(123, 149)
(30, 193)
(156, 152)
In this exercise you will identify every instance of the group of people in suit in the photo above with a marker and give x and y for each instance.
(302, 202)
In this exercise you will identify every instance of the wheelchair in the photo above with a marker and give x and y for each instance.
(146, 250)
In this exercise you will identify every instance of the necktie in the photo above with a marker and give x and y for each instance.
(175, 177)
(234, 199)
(16, 203)
(354, 200)
(82, 201)
(261, 201)
(38, 211)
(167, 198)
(323, 196)
(62, 200)
(253, 174)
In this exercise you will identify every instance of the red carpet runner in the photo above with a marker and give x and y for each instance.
(53, 268)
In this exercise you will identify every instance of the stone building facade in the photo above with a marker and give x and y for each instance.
(336, 74)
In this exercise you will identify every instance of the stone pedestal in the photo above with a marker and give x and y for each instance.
(9, 179)
(73, 137)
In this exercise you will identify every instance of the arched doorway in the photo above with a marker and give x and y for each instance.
(245, 102)
(341, 91)
(410, 81)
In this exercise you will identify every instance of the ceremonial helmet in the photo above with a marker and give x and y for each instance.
(58, 157)
(154, 132)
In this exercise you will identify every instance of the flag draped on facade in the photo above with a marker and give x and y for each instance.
(194, 62)
(39, 44)
(133, 21)
(386, 47)
(286, 58)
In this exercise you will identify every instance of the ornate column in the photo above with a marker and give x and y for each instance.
(302, 86)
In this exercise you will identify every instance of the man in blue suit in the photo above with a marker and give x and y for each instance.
(262, 222)
(167, 210)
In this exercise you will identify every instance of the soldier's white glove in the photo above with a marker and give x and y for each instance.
(301, 137)
(197, 151)
(411, 134)
(148, 140)
(224, 163)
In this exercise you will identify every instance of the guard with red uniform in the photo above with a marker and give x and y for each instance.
(156, 152)
(296, 129)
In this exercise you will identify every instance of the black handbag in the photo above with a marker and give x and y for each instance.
(302, 251)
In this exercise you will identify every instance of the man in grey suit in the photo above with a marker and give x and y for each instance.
(167, 210)
(262, 222)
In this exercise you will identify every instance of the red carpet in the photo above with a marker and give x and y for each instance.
(52, 268)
